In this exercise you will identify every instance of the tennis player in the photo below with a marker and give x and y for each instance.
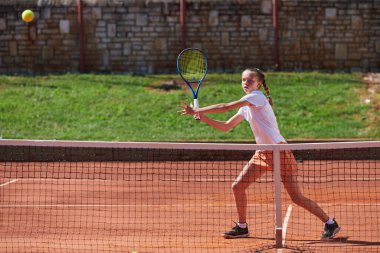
(255, 107)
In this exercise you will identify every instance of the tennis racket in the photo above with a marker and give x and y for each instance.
(192, 67)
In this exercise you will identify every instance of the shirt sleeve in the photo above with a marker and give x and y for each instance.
(241, 112)
(255, 99)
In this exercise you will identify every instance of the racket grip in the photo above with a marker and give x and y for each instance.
(196, 105)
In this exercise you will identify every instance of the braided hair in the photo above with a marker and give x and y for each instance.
(261, 78)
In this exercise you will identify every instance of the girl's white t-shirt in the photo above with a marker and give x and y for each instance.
(261, 118)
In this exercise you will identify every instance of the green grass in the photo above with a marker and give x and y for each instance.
(126, 108)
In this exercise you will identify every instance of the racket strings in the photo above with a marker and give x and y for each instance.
(193, 65)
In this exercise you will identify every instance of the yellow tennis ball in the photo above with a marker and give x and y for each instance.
(28, 16)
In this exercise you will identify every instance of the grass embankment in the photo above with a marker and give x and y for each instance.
(131, 108)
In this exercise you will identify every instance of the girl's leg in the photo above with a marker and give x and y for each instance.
(291, 185)
(251, 172)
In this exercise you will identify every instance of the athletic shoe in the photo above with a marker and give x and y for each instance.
(237, 232)
(330, 230)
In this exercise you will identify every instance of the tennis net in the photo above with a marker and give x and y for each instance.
(61, 196)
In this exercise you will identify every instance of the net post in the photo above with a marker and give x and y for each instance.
(277, 196)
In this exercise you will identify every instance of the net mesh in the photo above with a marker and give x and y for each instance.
(149, 197)
(192, 65)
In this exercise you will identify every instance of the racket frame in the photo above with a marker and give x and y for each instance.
(188, 83)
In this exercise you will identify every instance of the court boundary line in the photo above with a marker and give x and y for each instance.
(163, 205)
(9, 182)
(129, 205)
(285, 224)
(264, 180)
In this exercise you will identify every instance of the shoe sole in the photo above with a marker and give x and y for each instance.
(236, 236)
(332, 236)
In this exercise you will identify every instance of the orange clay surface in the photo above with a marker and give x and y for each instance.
(180, 207)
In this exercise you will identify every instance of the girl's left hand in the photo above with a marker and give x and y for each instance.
(186, 109)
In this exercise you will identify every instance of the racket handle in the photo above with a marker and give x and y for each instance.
(196, 105)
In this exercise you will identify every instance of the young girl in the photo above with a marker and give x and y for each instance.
(256, 108)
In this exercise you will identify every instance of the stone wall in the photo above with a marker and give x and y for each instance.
(333, 35)
(145, 36)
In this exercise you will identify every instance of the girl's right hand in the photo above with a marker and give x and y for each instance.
(186, 109)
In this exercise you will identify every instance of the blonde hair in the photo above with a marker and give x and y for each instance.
(261, 77)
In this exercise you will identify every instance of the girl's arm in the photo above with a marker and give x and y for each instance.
(221, 125)
(218, 108)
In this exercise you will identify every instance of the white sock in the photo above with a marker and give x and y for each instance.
(329, 221)
(242, 225)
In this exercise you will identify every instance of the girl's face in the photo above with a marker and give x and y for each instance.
(249, 82)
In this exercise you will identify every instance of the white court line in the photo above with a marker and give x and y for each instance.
(286, 222)
(138, 180)
(126, 205)
(349, 204)
(265, 180)
(153, 205)
(7, 183)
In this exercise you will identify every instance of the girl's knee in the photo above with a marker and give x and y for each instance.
(237, 186)
(296, 199)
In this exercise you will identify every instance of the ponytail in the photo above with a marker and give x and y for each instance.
(266, 88)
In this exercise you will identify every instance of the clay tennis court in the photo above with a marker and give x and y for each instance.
(179, 207)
